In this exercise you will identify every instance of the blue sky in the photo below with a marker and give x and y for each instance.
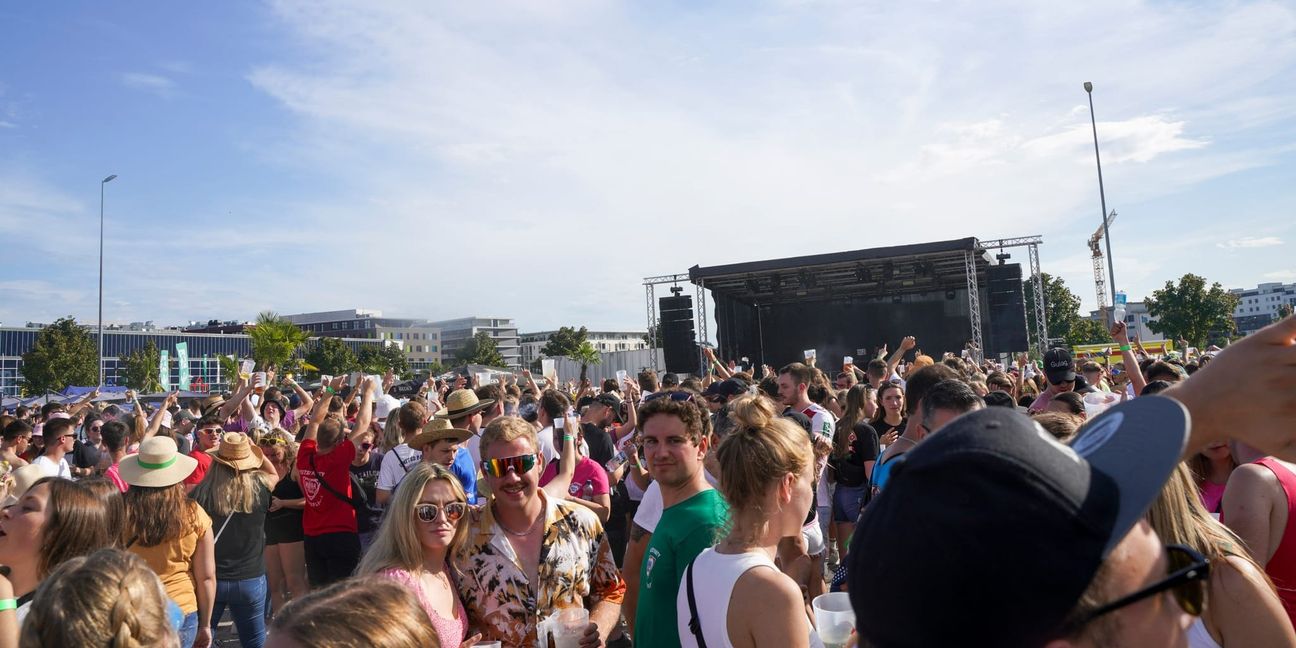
(537, 159)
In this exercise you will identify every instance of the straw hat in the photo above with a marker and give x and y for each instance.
(437, 429)
(237, 451)
(157, 464)
(463, 402)
(23, 478)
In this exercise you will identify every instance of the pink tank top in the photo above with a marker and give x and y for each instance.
(450, 631)
(1282, 566)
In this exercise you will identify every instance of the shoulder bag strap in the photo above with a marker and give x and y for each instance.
(323, 482)
(222, 529)
(694, 624)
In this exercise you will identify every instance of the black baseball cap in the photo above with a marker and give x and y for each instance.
(728, 388)
(1058, 365)
(998, 529)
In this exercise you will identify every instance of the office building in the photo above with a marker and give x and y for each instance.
(420, 340)
(604, 341)
(1258, 307)
(455, 334)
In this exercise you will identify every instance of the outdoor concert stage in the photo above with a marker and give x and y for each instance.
(849, 303)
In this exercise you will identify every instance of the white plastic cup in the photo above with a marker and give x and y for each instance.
(834, 618)
(1098, 402)
(570, 627)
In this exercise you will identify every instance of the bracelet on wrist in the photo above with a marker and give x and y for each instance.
(568, 437)
(8, 604)
(330, 391)
(1124, 347)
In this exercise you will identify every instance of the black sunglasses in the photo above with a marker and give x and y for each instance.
(1188, 571)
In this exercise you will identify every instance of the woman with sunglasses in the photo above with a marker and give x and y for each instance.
(285, 557)
(420, 532)
(1237, 604)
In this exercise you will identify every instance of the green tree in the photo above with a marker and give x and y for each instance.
(140, 369)
(378, 359)
(63, 355)
(586, 355)
(1191, 311)
(274, 341)
(1087, 331)
(653, 337)
(229, 368)
(332, 356)
(565, 342)
(1061, 308)
(481, 349)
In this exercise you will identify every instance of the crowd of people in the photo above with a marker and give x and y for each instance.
(1128, 500)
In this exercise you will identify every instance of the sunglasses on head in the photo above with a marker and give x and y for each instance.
(1186, 578)
(453, 511)
(272, 441)
(501, 467)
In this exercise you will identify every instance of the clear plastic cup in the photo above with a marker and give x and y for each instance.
(834, 618)
(570, 626)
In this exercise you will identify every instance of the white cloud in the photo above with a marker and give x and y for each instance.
(1248, 242)
(155, 83)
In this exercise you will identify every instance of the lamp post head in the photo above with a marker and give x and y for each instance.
(109, 179)
(1088, 88)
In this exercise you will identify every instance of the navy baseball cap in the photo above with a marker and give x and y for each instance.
(998, 528)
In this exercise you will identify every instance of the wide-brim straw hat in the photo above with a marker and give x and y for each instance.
(23, 478)
(238, 452)
(464, 402)
(437, 429)
(158, 464)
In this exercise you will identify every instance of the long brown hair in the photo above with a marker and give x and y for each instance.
(224, 491)
(856, 397)
(76, 523)
(111, 496)
(880, 414)
(156, 515)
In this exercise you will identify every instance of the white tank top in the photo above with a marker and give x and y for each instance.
(714, 577)
(1199, 636)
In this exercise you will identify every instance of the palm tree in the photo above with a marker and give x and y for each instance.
(586, 355)
(274, 341)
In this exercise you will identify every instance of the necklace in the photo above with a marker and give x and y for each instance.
(529, 531)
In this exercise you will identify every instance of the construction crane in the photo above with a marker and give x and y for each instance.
(1100, 276)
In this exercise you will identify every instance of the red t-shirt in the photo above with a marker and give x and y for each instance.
(204, 462)
(326, 512)
(586, 469)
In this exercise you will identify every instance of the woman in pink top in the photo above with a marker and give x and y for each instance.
(421, 530)
(1211, 469)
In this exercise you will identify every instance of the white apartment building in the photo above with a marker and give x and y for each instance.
(604, 341)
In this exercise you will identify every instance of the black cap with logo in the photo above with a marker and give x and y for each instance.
(1058, 366)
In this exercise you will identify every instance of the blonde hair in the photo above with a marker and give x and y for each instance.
(922, 360)
(397, 543)
(759, 452)
(508, 428)
(225, 491)
(392, 435)
(108, 598)
(330, 618)
(1178, 517)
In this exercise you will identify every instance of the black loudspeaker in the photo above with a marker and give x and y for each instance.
(679, 341)
(1007, 309)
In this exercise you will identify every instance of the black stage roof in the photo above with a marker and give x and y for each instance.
(874, 272)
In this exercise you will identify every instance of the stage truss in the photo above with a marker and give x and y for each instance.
(699, 312)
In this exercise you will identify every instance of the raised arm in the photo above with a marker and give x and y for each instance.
(365, 415)
(156, 423)
(1121, 336)
(909, 342)
(321, 409)
(304, 396)
(232, 405)
(557, 487)
(85, 402)
(720, 367)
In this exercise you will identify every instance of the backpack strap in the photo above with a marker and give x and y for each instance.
(323, 482)
(694, 624)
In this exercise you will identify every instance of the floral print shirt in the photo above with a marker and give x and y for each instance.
(576, 569)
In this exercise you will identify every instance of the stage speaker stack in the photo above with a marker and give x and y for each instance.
(679, 341)
(1007, 310)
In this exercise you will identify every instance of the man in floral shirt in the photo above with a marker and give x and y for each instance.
(528, 555)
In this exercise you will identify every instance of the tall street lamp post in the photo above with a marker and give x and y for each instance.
(101, 248)
(1102, 197)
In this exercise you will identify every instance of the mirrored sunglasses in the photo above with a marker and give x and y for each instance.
(453, 511)
(501, 467)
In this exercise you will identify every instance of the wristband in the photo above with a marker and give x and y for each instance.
(1124, 347)
(8, 604)
(568, 437)
(330, 391)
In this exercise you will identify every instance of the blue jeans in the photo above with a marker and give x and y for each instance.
(189, 630)
(247, 603)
